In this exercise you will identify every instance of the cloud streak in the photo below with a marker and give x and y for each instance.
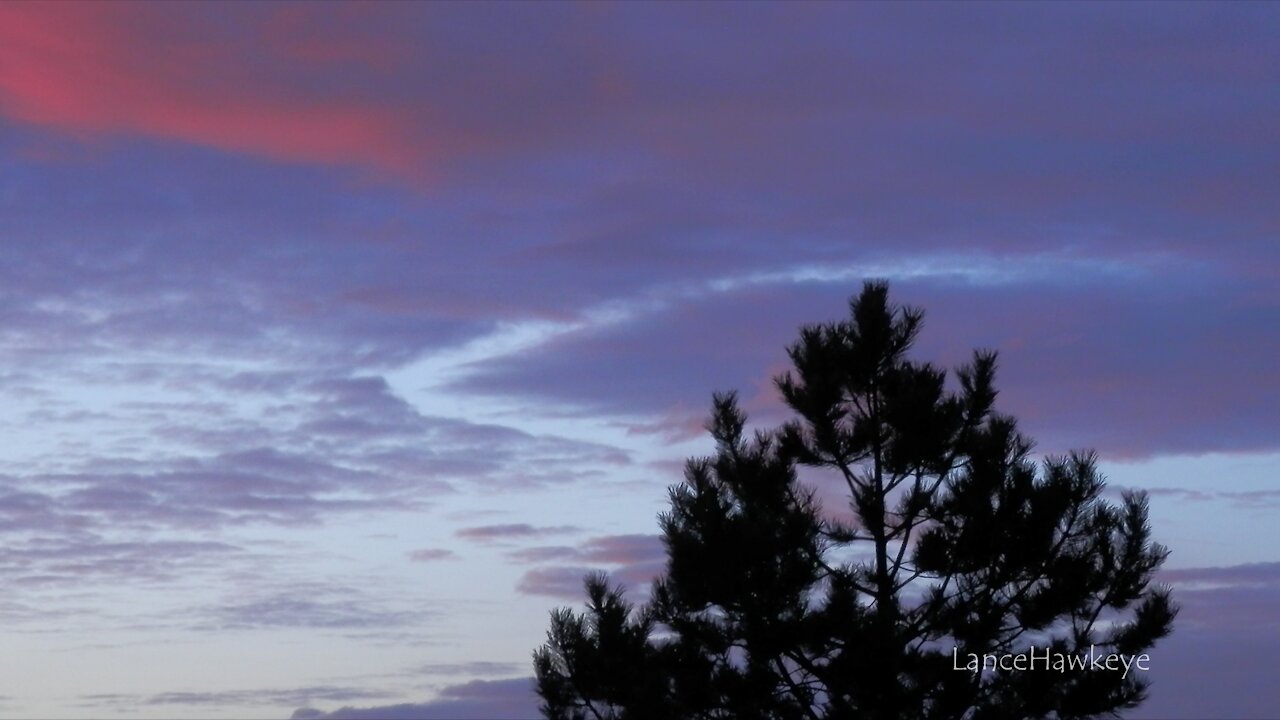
(512, 531)
(468, 701)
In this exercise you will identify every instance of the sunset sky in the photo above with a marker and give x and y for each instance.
(337, 341)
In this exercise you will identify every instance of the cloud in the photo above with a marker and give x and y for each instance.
(947, 142)
(1230, 598)
(625, 177)
(49, 560)
(483, 668)
(511, 531)
(543, 553)
(624, 549)
(637, 560)
(288, 449)
(1224, 638)
(1070, 368)
(299, 609)
(1174, 493)
(85, 68)
(468, 701)
(610, 549)
(1238, 498)
(432, 555)
(559, 581)
(206, 700)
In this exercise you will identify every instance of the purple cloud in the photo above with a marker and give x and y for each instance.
(479, 668)
(869, 150)
(664, 220)
(544, 553)
(1233, 597)
(637, 560)
(270, 697)
(511, 531)
(432, 555)
(297, 609)
(50, 560)
(1224, 638)
(475, 700)
(1070, 368)
(558, 581)
(1239, 498)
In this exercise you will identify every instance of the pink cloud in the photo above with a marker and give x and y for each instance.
(94, 68)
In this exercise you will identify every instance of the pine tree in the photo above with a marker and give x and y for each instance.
(954, 543)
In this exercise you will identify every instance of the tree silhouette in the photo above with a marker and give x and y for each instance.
(955, 546)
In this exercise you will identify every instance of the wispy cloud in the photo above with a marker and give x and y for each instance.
(468, 701)
(265, 697)
(634, 561)
(432, 555)
(342, 610)
(512, 531)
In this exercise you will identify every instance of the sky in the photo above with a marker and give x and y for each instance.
(337, 341)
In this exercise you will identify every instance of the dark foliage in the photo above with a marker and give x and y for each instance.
(955, 543)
